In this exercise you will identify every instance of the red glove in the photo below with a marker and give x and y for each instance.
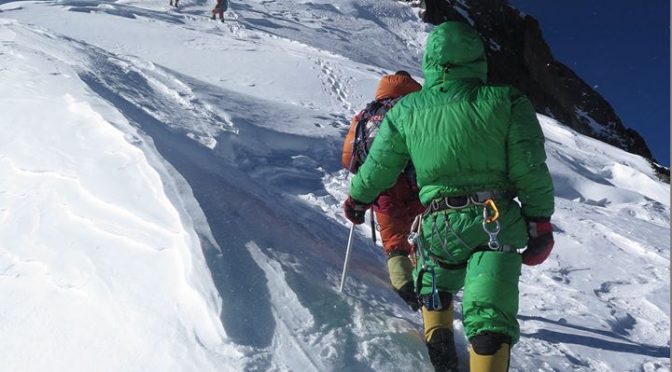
(354, 210)
(540, 242)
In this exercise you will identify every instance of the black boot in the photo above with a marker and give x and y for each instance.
(407, 293)
(441, 350)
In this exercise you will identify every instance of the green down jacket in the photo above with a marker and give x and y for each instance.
(463, 136)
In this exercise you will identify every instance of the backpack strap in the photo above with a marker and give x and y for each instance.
(360, 135)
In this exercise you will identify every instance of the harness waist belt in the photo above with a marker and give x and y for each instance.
(463, 201)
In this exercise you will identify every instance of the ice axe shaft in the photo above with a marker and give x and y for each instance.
(347, 257)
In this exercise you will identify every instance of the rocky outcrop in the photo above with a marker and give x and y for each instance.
(519, 56)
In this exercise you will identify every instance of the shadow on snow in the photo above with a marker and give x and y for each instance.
(594, 342)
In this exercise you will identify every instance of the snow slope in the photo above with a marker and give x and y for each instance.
(170, 189)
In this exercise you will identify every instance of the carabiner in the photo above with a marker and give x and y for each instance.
(486, 214)
(487, 218)
(492, 235)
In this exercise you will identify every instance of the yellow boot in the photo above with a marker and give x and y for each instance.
(400, 267)
(433, 320)
(439, 337)
(497, 362)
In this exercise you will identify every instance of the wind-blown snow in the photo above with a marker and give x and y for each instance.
(170, 201)
(98, 266)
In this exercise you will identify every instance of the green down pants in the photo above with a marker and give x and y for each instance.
(489, 280)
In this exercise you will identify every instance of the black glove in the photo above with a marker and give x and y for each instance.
(540, 241)
(407, 293)
(354, 210)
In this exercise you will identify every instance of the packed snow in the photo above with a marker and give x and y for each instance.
(170, 192)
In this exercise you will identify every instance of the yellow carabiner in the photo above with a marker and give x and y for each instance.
(491, 203)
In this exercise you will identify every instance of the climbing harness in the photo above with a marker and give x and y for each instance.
(448, 205)
(490, 216)
(433, 301)
(459, 202)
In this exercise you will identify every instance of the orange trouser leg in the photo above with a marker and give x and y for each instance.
(394, 232)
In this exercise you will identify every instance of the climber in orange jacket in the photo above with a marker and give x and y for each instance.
(396, 207)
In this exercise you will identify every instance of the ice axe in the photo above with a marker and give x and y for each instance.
(347, 257)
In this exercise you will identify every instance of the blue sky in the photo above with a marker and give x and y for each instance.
(622, 49)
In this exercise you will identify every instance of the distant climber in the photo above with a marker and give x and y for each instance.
(475, 147)
(397, 206)
(219, 9)
(176, 2)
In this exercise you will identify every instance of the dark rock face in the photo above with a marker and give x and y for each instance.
(519, 56)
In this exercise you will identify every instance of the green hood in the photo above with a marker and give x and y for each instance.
(454, 52)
